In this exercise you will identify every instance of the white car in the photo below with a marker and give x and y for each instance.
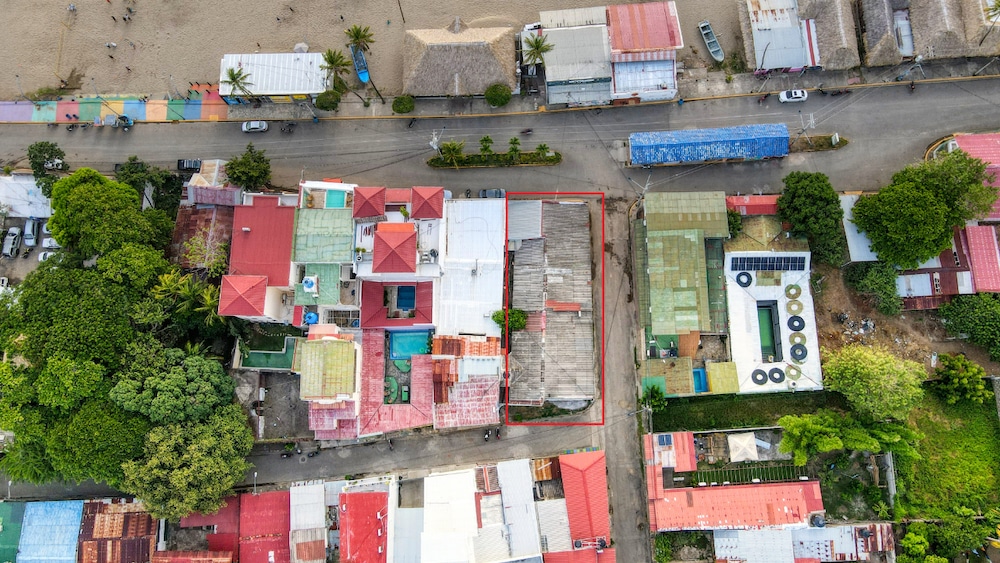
(51, 244)
(55, 164)
(793, 96)
(254, 126)
(45, 255)
(45, 228)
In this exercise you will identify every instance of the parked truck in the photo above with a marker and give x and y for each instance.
(694, 146)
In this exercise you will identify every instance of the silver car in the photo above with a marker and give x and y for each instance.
(50, 243)
(254, 126)
(12, 242)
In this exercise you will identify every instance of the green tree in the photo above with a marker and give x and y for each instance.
(26, 460)
(403, 104)
(95, 441)
(451, 152)
(876, 282)
(957, 180)
(336, 65)
(169, 386)
(359, 37)
(486, 145)
(134, 266)
(166, 186)
(535, 47)
(735, 223)
(239, 80)
(542, 150)
(959, 532)
(811, 205)
(191, 467)
(65, 383)
(206, 252)
(514, 152)
(808, 435)
(38, 154)
(515, 319)
(497, 95)
(978, 316)
(960, 379)
(328, 100)
(94, 215)
(914, 544)
(654, 398)
(250, 170)
(906, 223)
(877, 384)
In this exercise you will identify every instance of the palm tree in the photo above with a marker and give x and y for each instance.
(335, 64)
(535, 47)
(542, 150)
(359, 37)
(515, 149)
(451, 152)
(239, 80)
(208, 304)
(486, 146)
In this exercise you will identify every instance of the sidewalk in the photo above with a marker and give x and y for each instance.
(204, 103)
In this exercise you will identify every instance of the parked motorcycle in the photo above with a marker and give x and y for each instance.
(487, 436)
(497, 431)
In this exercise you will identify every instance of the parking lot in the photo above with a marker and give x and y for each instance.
(15, 269)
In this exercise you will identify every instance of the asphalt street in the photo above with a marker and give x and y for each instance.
(888, 127)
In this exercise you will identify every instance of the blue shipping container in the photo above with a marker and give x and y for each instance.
(744, 142)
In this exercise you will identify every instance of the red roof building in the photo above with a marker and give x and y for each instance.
(733, 507)
(192, 557)
(214, 222)
(674, 450)
(377, 417)
(395, 248)
(262, 240)
(364, 527)
(753, 204)
(116, 532)
(644, 32)
(984, 257)
(375, 313)
(265, 520)
(242, 296)
(985, 147)
(592, 555)
(226, 523)
(427, 203)
(585, 484)
(368, 202)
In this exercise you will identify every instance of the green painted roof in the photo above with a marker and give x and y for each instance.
(722, 378)
(326, 368)
(11, 516)
(678, 292)
(671, 211)
(323, 236)
(329, 285)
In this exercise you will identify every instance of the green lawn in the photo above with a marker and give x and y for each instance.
(741, 411)
(270, 337)
(961, 458)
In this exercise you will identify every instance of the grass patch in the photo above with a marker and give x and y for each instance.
(960, 459)
(547, 410)
(741, 411)
(497, 160)
(819, 143)
(270, 338)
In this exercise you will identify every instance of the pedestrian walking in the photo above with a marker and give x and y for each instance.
(127, 69)
(111, 57)
(341, 18)
(291, 9)
(114, 18)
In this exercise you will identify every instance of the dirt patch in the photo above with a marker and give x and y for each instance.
(914, 335)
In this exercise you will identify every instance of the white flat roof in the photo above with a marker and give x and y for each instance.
(24, 197)
(308, 509)
(449, 517)
(578, 53)
(516, 488)
(858, 243)
(276, 74)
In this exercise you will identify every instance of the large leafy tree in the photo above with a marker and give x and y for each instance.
(250, 170)
(960, 379)
(807, 435)
(95, 441)
(877, 385)
(191, 467)
(38, 154)
(134, 266)
(876, 281)
(906, 223)
(166, 187)
(64, 383)
(170, 386)
(957, 180)
(811, 205)
(94, 215)
(978, 316)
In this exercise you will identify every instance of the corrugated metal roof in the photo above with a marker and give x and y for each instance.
(308, 546)
(264, 526)
(843, 542)
(323, 235)
(307, 508)
(753, 204)
(516, 487)
(678, 288)
(116, 531)
(735, 507)
(407, 525)
(524, 219)
(670, 211)
(191, 557)
(11, 516)
(449, 516)
(743, 142)
(226, 520)
(276, 74)
(754, 546)
(573, 17)
(553, 523)
(364, 526)
(585, 485)
(49, 532)
(985, 257)
(327, 368)
(651, 26)
(578, 54)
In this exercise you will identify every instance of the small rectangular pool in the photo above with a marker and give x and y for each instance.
(403, 345)
(700, 381)
(336, 199)
(767, 319)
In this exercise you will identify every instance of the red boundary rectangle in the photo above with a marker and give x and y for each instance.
(600, 375)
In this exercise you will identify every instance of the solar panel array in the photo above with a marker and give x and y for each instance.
(767, 263)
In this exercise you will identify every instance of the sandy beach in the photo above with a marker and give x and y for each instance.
(164, 45)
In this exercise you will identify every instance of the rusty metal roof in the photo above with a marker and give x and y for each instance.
(116, 531)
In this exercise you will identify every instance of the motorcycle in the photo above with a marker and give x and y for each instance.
(526, 131)
(288, 128)
(913, 86)
(839, 92)
(410, 124)
(312, 454)
(27, 252)
(497, 431)
(286, 455)
(71, 127)
(761, 99)
(487, 436)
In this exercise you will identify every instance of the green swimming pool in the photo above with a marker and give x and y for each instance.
(765, 317)
(335, 199)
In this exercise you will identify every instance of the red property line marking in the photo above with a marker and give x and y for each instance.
(556, 196)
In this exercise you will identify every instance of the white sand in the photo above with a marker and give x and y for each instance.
(185, 39)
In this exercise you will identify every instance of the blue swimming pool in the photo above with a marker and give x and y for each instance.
(700, 381)
(406, 297)
(404, 344)
(336, 199)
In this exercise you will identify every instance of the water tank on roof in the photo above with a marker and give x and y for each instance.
(311, 318)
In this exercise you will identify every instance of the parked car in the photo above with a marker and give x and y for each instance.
(189, 165)
(12, 242)
(45, 228)
(55, 164)
(793, 96)
(51, 244)
(254, 126)
(31, 232)
(45, 255)
(495, 193)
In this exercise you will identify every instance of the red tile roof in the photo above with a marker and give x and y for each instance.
(374, 311)
(362, 516)
(376, 417)
(266, 248)
(369, 202)
(649, 31)
(585, 484)
(985, 258)
(470, 403)
(192, 557)
(116, 532)
(242, 295)
(397, 196)
(264, 523)
(734, 506)
(465, 345)
(591, 555)
(226, 520)
(427, 203)
(395, 248)
(984, 146)
(753, 204)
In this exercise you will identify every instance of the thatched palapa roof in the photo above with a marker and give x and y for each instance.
(938, 29)
(880, 36)
(441, 62)
(835, 32)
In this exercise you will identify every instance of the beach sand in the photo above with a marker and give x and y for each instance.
(169, 44)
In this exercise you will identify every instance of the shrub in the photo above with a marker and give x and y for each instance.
(960, 379)
(498, 95)
(875, 281)
(735, 223)
(328, 101)
(403, 104)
